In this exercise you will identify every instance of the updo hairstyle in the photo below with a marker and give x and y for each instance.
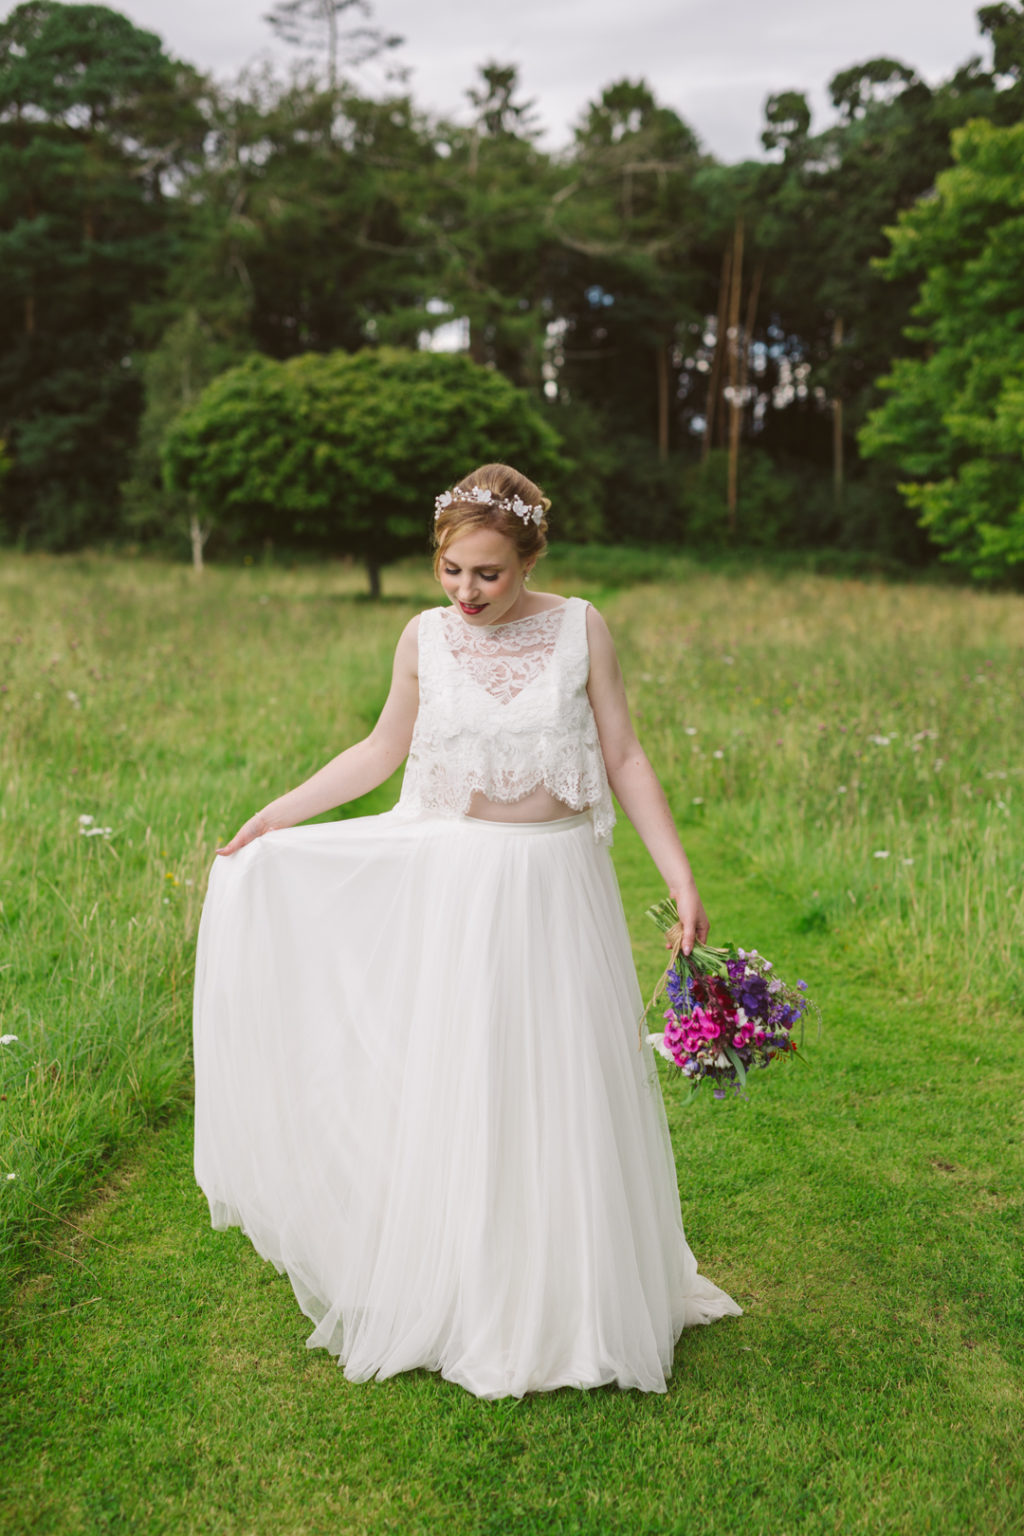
(461, 516)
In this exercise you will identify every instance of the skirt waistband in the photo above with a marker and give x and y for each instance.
(527, 828)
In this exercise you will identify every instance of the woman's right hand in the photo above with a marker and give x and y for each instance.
(255, 827)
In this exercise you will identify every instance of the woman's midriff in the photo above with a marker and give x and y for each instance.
(538, 805)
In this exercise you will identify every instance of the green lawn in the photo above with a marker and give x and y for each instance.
(865, 1208)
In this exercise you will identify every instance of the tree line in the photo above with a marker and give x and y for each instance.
(821, 347)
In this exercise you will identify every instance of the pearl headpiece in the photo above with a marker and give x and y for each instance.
(487, 498)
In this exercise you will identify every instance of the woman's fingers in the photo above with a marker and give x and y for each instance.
(693, 927)
(253, 828)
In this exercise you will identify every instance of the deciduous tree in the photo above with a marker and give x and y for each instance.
(953, 421)
(346, 452)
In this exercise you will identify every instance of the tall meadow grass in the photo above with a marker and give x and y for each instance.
(862, 741)
(865, 743)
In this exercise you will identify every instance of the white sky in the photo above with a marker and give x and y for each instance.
(713, 61)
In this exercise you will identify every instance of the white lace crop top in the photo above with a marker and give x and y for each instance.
(503, 710)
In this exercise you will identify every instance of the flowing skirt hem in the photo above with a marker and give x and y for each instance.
(420, 1095)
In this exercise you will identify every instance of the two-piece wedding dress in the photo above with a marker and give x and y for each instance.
(418, 1084)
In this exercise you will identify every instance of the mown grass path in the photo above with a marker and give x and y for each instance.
(156, 1378)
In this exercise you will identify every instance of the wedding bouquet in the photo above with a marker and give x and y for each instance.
(727, 1012)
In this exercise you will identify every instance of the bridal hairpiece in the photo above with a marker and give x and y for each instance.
(487, 498)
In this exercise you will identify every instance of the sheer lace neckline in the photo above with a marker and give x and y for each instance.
(504, 659)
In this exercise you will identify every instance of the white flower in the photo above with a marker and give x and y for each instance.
(841, 790)
(85, 821)
(908, 861)
(881, 853)
(11, 1176)
(444, 500)
(698, 799)
(95, 831)
(7, 1039)
(72, 698)
(722, 1060)
(718, 754)
(690, 730)
(879, 741)
(658, 1042)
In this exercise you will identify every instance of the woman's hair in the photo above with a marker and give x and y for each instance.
(463, 513)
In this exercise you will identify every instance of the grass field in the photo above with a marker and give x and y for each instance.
(845, 761)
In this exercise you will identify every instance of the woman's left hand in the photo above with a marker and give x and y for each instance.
(693, 924)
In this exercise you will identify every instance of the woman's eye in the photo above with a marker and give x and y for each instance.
(489, 578)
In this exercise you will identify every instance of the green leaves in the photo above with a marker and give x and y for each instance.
(347, 451)
(954, 419)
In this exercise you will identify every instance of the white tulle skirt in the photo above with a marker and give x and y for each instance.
(419, 1093)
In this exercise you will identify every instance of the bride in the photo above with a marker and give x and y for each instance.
(419, 1089)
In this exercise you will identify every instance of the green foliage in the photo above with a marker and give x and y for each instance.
(94, 122)
(304, 221)
(347, 451)
(155, 228)
(189, 355)
(954, 419)
(630, 219)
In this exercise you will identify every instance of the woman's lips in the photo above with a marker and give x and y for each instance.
(469, 607)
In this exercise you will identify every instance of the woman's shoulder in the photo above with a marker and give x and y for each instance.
(550, 602)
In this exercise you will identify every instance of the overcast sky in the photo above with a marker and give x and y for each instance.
(713, 61)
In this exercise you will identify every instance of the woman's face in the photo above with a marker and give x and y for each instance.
(483, 575)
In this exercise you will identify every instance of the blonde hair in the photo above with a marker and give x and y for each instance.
(461, 516)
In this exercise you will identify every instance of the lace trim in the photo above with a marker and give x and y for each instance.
(464, 742)
(506, 658)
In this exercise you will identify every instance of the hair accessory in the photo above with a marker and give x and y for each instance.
(487, 498)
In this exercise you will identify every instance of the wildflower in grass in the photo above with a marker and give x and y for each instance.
(880, 741)
(73, 699)
(8, 1039)
(881, 853)
(727, 1013)
(11, 1176)
(698, 799)
(718, 754)
(690, 730)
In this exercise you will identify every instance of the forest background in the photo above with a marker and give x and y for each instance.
(822, 349)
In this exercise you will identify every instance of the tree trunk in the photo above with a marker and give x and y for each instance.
(735, 408)
(661, 358)
(715, 379)
(837, 424)
(373, 574)
(198, 536)
(748, 331)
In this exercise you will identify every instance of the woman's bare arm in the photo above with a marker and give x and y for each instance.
(635, 782)
(359, 768)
